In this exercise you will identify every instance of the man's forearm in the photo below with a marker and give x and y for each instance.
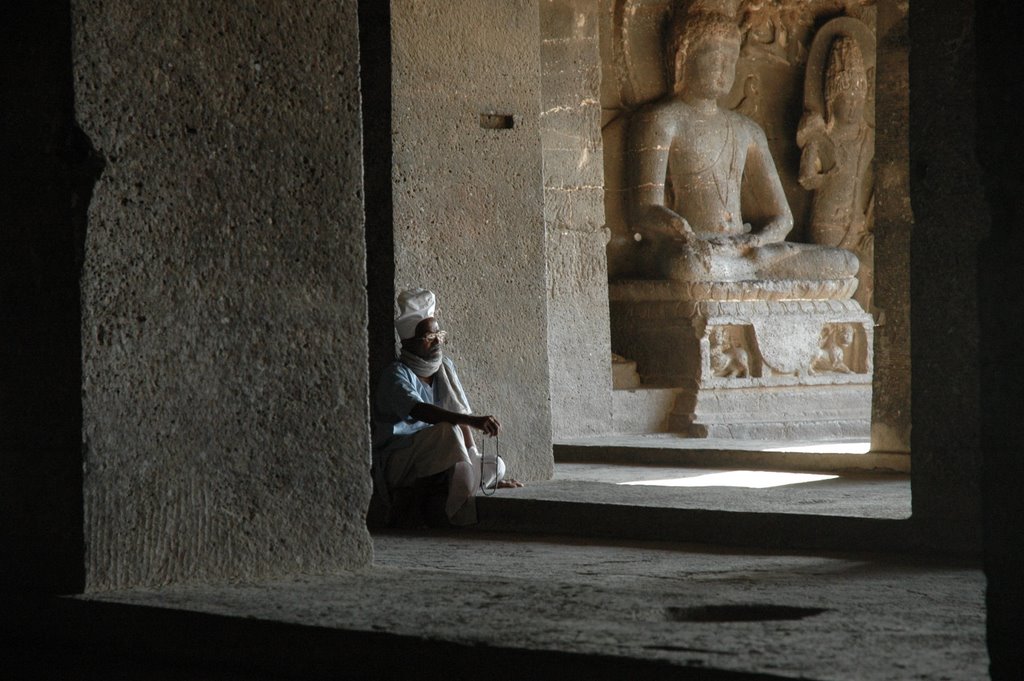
(428, 413)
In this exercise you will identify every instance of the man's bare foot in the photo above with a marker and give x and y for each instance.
(511, 482)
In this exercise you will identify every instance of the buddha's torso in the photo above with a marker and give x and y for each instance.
(705, 169)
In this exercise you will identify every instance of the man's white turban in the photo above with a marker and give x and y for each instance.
(414, 305)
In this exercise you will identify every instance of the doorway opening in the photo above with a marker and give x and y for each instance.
(710, 378)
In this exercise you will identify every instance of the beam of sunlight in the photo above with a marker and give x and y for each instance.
(750, 479)
(827, 448)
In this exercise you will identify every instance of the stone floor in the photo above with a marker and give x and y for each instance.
(852, 510)
(591, 566)
(854, 494)
(783, 614)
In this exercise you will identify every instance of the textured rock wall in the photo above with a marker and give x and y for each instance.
(468, 202)
(224, 315)
(950, 218)
(894, 221)
(578, 326)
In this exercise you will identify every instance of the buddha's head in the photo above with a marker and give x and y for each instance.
(846, 83)
(703, 48)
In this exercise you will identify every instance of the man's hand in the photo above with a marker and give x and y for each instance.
(488, 424)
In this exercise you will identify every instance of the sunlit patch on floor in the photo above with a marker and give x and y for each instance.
(751, 479)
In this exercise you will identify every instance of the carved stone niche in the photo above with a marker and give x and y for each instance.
(749, 369)
(712, 295)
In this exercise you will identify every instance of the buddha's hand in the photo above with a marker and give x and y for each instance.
(681, 229)
(666, 223)
(752, 240)
(740, 242)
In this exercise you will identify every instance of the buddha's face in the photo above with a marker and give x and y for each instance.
(710, 68)
(846, 83)
(847, 105)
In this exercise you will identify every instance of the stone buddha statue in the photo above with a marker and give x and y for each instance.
(706, 201)
(753, 332)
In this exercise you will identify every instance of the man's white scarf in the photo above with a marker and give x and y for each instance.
(453, 398)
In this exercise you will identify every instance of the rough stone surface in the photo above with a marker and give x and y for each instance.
(574, 218)
(467, 203)
(224, 314)
(894, 220)
(882, 618)
(624, 375)
(642, 410)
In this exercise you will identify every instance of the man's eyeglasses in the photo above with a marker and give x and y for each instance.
(439, 336)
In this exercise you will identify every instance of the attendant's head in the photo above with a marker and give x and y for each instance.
(417, 328)
(846, 83)
(702, 49)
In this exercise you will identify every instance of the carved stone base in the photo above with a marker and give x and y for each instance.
(802, 412)
(762, 369)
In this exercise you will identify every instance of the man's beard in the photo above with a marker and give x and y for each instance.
(424, 367)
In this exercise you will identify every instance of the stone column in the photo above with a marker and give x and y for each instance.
(468, 202)
(223, 292)
(950, 218)
(1000, 300)
(894, 221)
(579, 347)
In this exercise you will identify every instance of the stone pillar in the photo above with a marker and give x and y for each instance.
(950, 218)
(578, 340)
(894, 221)
(1001, 298)
(223, 292)
(468, 202)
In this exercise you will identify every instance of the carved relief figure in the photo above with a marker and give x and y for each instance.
(836, 346)
(837, 151)
(837, 137)
(729, 359)
(773, 29)
(704, 188)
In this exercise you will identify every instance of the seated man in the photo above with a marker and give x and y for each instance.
(422, 418)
